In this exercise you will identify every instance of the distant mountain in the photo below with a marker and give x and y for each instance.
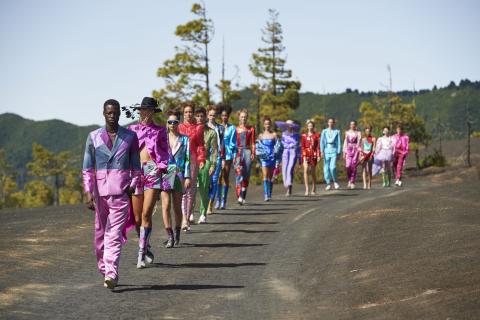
(448, 104)
(17, 135)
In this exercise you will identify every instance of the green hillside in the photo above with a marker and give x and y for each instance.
(17, 135)
(448, 105)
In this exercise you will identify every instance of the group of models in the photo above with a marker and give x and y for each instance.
(126, 171)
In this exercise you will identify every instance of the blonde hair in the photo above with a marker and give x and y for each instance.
(242, 111)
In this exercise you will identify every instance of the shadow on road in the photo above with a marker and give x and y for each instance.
(298, 198)
(244, 222)
(271, 209)
(340, 195)
(253, 213)
(222, 245)
(173, 287)
(207, 265)
(237, 231)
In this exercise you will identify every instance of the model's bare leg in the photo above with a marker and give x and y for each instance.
(305, 176)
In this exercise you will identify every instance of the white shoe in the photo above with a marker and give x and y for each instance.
(306, 193)
(241, 201)
(140, 262)
(336, 186)
(110, 283)
(328, 187)
(192, 218)
(399, 183)
(352, 186)
(202, 219)
(149, 257)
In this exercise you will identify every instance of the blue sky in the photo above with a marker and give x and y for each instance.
(62, 59)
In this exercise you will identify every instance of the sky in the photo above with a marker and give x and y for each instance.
(63, 59)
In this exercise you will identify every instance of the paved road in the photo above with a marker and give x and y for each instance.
(409, 253)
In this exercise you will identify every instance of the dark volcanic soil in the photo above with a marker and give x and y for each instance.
(409, 253)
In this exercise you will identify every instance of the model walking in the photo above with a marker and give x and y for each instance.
(310, 154)
(154, 159)
(108, 185)
(291, 151)
(351, 148)
(401, 153)
(211, 153)
(194, 132)
(245, 155)
(176, 180)
(330, 148)
(367, 148)
(384, 152)
(228, 155)
(268, 149)
(212, 113)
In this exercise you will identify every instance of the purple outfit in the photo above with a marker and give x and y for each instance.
(154, 139)
(291, 152)
(109, 170)
(351, 148)
(385, 149)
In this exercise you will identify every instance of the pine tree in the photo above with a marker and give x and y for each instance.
(50, 166)
(186, 75)
(268, 65)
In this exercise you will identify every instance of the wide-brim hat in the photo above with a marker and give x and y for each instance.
(285, 125)
(148, 103)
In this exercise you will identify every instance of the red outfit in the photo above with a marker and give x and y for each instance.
(195, 134)
(310, 148)
(243, 161)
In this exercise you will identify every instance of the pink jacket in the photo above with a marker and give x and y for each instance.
(401, 144)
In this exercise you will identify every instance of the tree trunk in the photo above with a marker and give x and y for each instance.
(469, 128)
(207, 75)
(56, 191)
(417, 159)
(258, 113)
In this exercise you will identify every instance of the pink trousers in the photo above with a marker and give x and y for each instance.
(398, 164)
(188, 198)
(351, 166)
(111, 213)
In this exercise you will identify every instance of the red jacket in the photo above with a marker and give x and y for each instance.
(195, 134)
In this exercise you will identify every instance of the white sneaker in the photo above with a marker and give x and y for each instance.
(328, 187)
(149, 257)
(192, 218)
(140, 262)
(399, 183)
(202, 219)
(352, 186)
(110, 283)
(306, 193)
(336, 186)
(241, 201)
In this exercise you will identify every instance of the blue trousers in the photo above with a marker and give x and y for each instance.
(213, 187)
(330, 167)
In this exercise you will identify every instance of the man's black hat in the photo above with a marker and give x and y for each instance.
(148, 103)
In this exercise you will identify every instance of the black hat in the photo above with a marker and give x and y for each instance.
(148, 103)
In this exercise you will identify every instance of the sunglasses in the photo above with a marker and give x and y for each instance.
(173, 122)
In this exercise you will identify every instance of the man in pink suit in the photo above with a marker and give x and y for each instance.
(401, 151)
(111, 173)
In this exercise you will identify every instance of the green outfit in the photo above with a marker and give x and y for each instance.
(211, 151)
